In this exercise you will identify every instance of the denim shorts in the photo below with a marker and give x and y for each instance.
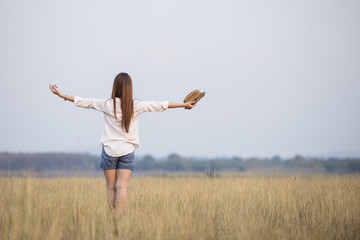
(123, 162)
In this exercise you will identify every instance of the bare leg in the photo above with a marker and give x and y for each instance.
(123, 176)
(110, 176)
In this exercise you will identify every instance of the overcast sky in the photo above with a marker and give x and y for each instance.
(281, 77)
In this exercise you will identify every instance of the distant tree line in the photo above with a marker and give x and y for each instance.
(47, 161)
(175, 162)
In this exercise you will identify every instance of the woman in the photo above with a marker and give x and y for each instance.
(120, 136)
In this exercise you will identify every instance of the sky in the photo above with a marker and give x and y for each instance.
(281, 77)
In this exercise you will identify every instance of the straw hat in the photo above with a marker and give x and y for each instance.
(195, 95)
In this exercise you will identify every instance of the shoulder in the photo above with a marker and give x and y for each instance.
(111, 101)
(138, 105)
(78, 99)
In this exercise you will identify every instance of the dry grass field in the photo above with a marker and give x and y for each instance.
(230, 207)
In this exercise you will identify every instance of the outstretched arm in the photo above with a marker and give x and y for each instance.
(55, 90)
(187, 105)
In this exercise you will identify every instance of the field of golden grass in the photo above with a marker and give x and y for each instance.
(230, 207)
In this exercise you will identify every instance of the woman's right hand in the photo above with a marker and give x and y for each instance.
(190, 105)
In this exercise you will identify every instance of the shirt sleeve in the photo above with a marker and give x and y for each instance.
(151, 106)
(93, 103)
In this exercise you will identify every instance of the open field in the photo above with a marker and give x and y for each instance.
(230, 207)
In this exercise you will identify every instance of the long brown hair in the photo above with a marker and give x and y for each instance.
(122, 88)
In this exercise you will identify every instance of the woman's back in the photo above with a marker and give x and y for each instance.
(114, 138)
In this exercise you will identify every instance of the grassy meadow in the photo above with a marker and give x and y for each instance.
(246, 206)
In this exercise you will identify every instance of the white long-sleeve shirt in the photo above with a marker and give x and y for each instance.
(114, 138)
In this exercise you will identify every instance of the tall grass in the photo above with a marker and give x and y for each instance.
(242, 207)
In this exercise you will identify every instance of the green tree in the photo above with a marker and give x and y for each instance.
(147, 162)
(174, 163)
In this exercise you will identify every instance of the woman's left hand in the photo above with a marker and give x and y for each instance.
(55, 90)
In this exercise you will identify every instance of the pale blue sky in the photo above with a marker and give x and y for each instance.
(282, 77)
